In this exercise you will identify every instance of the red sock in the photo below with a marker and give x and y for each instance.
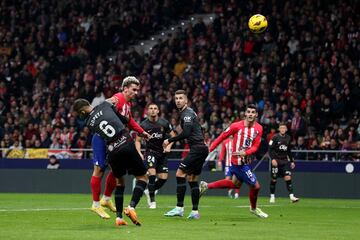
(95, 184)
(253, 194)
(110, 184)
(224, 183)
(237, 190)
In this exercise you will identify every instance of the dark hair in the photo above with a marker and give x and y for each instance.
(252, 106)
(282, 124)
(180, 91)
(79, 104)
(152, 103)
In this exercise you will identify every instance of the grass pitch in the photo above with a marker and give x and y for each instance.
(67, 216)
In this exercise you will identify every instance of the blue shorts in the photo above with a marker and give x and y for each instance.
(227, 171)
(99, 151)
(244, 174)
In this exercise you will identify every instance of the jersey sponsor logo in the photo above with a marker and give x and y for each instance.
(156, 135)
(247, 142)
(271, 142)
(187, 119)
(283, 147)
(117, 143)
(96, 116)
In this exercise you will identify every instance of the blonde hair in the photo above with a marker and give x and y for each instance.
(128, 81)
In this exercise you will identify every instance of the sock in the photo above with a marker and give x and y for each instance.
(110, 184)
(137, 193)
(195, 195)
(224, 183)
(237, 190)
(272, 187)
(95, 184)
(180, 191)
(159, 183)
(289, 186)
(151, 187)
(119, 200)
(253, 194)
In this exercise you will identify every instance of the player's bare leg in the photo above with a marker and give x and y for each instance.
(289, 186)
(95, 184)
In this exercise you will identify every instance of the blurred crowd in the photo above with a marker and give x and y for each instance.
(304, 70)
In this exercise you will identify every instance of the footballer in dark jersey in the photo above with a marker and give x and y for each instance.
(155, 155)
(282, 162)
(191, 166)
(122, 155)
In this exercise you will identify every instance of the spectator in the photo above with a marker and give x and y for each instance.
(53, 163)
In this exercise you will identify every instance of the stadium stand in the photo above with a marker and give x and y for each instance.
(304, 70)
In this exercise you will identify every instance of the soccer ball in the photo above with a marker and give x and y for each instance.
(257, 23)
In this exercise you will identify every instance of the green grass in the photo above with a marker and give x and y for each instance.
(21, 217)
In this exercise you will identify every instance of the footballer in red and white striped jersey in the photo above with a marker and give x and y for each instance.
(130, 88)
(247, 138)
(226, 152)
(124, 108)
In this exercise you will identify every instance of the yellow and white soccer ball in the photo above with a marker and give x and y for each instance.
(257, 23)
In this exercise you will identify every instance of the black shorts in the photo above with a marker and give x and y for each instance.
(194, 161)
(124, 158)
(282, 170)
(157, 161)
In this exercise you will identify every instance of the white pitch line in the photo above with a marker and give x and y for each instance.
(42, 209)
(268, 205)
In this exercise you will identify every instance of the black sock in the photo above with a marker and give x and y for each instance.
(272, 187)
(137, 193)
(180, 191)
(159, 183)
(195, 195)
(151, 187)
(119, 200)
(289, 186)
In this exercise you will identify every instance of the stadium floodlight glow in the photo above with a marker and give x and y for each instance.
(172, 29)
(182, 23)
(162, 34)
(152, 39)
(192, 18)
(142, 44)
(211, 18)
